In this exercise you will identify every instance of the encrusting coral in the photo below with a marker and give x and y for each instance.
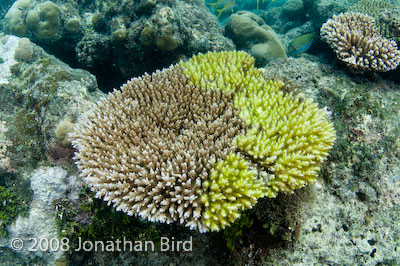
(201, 141)
(357, 42)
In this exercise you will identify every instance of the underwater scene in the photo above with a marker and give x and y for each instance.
(200, 132)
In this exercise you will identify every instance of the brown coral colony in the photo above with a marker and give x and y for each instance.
(154, 167)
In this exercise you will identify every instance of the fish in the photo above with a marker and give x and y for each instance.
(228, 6)
(301, 44)
(263, 2)
(218, 3)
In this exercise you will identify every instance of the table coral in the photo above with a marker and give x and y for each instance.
(201, 141)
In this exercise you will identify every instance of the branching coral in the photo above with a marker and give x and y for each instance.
(370, 7)
(148, 148)
(200, 142)
(356, 41)
(231, 188)
(389, 24)
(288, 136)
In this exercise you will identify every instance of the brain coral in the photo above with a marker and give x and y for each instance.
(357, 42)
(201, 141)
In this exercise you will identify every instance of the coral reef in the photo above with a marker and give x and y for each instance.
(44, 20)
(293, 8)
(281, 16)
(34, 96)
(356, 41)
(289, 136)
(274, 119)
(62, 130)
(114, 41)
(357, 198)
(177, 163)
(322, 10)
(14, 20)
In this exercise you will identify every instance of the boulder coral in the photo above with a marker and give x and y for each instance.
(38, 21)
(44, 20)
(14, 20)
(24, 50)
(200, 142)
(249, 31)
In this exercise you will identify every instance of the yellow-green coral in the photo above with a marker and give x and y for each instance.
(287, 137)
(232, 187)
(225, 71)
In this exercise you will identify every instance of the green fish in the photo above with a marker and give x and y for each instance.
(301, 44)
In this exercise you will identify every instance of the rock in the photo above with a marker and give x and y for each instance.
(38, 87)
(7, 53)
(49, 185)
(43, 89)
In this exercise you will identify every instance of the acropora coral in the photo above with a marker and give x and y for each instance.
(357, 42)
(200, 142)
